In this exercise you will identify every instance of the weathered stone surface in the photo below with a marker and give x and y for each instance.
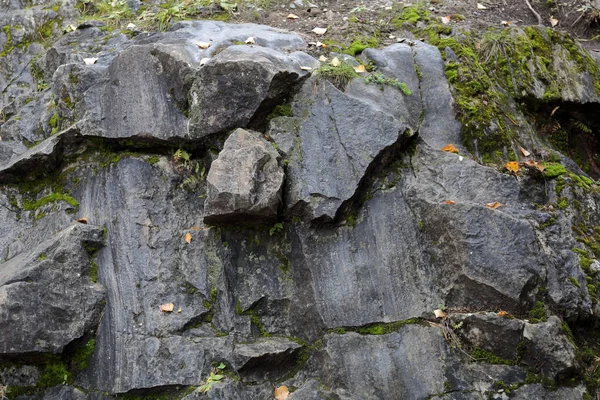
(549, 348)
(276, 353)
(241, 84)
(47, 297)
(490, 332)
(244, 183)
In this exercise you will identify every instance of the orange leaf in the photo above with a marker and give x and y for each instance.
(524, 152)
(450, 149)
(188, 237)
(82, 220)
(167, 307)
(445, 20)
(281, 393)
(292, 16)
(450, 202)
(502, 313)
(493, 205)
(512, 166)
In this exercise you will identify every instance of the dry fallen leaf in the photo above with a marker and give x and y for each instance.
(481, 6)
(360, 69)
(502, 313)
(533, 164)
(167, 307)
(281, 393)
(306, 68)
(494, 205)
(507, 23)
(251, 40)
(524, 152)
(319, 44)
(131, 26)
(450, 202)
(188, 237)
(292, 16)
(319, 31)
(82, 220)
(450, 149)
(553, 21)
(203, 45)
(179, 310)
(322, 58)
(335, 62)
(196, 228)
(90, 61)
(446, 19)
(554, 110)
(512, 166)
(439, 313)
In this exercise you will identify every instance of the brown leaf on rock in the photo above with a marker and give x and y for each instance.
(450, 149)
(450, 202)
(82, 220)
(167, 307)
(553, 21)
(292, 16)
(281, 393)
(494, 205)
(360, 69)
(524, 152)
(512, 166)
(188, 237)
(502, 313)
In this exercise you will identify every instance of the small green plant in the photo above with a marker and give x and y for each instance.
(442, 307)
(457, 325)
(214, 377)
(382, 80)
(276, 229)
(340, 75)
(494, 45)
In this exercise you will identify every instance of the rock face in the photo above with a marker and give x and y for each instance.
(303, 226)
(244, 183)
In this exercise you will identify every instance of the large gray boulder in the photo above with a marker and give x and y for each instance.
(242, 84)
(244, 182)
(47, 295)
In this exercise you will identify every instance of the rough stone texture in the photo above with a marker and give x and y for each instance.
(47, 298)
(490, 332)
(244, 183)
(320, 302)
(241, 84)
(549, 348)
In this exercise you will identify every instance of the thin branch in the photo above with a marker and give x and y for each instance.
(534, 13)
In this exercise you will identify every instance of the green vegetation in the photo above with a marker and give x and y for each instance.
(94, 271)
(29, 205)
(8, 45)
(538, 313)
(359, 44)
(382, 80)
(281, 110)
(411, 15)
(214, 377)
(553, 170)
(482, 355)
(340, 75)
(83, 355)
(53, 123)
(574, 281)
(385, 328)
(152, 160)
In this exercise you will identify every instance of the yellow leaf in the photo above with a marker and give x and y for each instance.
(494, 205)
(502, 313)
(445, 20)
(188, 237)
(203, 45)
(167, 307)
(439, 313)
(319, 31)
(450, 149)
(524, 152)
(281, 393)
(319, 44)
(322, 58)
(179, 310)
(82, 220)
(554, 110)
(450, 202)
(360, 69)
(512, 166)
(292, 16)
(335, 62)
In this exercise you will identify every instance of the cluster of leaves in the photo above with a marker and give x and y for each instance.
(214, 377)
(194, 169)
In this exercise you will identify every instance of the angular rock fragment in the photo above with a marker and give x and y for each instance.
(549, 348)
(241, 84)
(245, 182)
(267, 358)
(47, 296)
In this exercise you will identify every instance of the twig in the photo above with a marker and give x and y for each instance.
(577, 20)
(534, 13)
